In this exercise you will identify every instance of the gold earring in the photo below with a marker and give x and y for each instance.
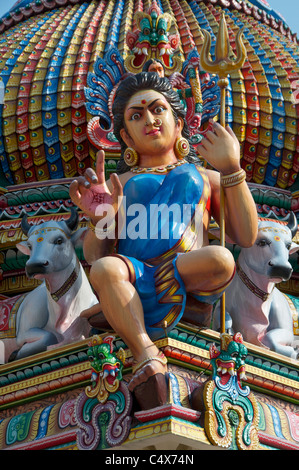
(182, 148)
(131, 157)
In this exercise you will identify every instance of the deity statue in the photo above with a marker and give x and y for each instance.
(152, 40)
(154, 65)
(152, 49)
(143, 267)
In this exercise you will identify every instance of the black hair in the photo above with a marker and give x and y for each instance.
(147, 81)
(150, 62)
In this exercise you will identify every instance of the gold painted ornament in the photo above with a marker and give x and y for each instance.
(131, 157)
(182, 148)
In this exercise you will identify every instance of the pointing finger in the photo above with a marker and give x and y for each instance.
(100, 167)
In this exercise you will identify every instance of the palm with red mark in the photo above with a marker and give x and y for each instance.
(90, 191)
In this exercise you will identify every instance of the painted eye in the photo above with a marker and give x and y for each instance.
(159, 110)
(58, 241)
(135, 116)
(288, 246)
(263, 243)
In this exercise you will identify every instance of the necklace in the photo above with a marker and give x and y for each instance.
(66, 285)
(164, 169)
(250, 285)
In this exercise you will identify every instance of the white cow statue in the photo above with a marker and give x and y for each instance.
(254, 306)
(49, 315)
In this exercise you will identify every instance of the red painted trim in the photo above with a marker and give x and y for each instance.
(277, 442)
(47, 442)
(70, 436)
(166, 411)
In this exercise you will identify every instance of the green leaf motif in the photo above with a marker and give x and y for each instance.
(18, 428)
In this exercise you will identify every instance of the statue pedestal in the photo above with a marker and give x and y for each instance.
(39, 396)
(171, 427)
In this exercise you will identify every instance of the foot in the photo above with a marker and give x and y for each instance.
(148, 368)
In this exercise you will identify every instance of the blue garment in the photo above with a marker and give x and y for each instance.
(162, 299)
(151, 258)
(183, 189)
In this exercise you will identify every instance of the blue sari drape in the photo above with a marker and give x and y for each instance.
(151, 257)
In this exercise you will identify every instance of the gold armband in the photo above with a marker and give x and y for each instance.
(233, 179)
(100, 231)
(91, 226)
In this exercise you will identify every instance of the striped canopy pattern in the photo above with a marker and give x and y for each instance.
(48, 47)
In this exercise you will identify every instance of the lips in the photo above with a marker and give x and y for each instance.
(153, 132)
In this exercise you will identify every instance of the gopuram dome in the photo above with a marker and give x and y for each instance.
(48, 47)
(61, 62)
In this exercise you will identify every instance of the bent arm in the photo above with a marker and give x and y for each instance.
(96, 197)
(241, 221)
(221, 149)
(94, 248)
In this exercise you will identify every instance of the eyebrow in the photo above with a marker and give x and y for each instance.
(141, 107)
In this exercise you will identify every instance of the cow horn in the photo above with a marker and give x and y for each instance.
(72, 221)
(25, 226)
(292, 223)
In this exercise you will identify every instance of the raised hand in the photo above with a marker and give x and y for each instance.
(90, 191)
(221, 149)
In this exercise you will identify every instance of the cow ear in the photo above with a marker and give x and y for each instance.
(294, 248)
(77, 237)
(23, 247)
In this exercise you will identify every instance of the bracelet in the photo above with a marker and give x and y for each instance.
(100, 231)
(91, 226)
(233, 179)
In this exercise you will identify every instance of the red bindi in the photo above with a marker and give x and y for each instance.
(143, 101)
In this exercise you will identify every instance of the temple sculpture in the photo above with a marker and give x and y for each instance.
(149, 226)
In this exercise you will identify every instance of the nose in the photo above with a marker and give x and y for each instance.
(154, 38)
(149, 119)
(36, 268)
(280, 270)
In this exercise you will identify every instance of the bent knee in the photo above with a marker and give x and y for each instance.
(224, 264)
(108, 269)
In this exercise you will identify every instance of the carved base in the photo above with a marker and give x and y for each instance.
(152, 393)
(197, 313)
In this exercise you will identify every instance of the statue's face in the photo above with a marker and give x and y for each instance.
(150, 124)
(157, 67)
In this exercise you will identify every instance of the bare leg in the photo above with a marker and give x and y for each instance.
(206, 269)
(123, 310)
